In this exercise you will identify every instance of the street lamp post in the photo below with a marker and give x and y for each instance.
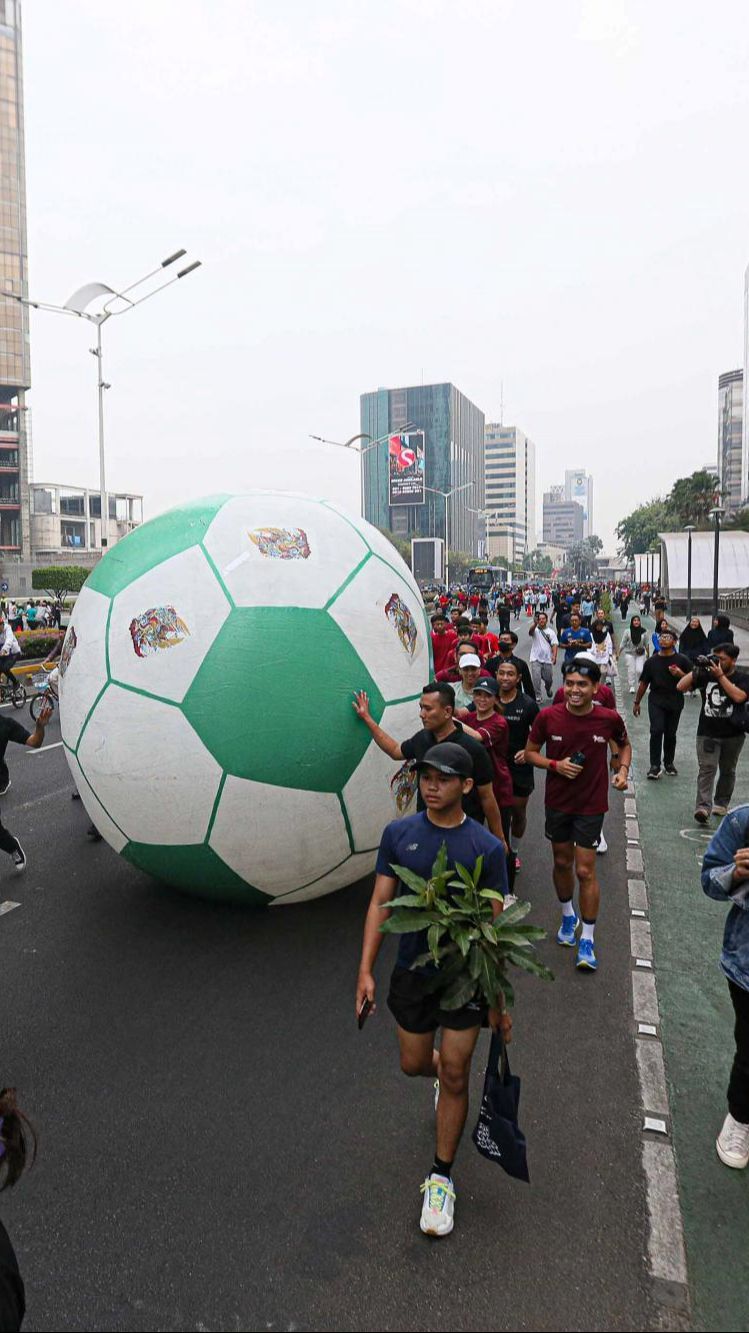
(76, 305)
(447, 497)
(715, 514)
(689, 529)
(364, 449)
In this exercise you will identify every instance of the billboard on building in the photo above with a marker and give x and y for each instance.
(579, 491)
(406, 469)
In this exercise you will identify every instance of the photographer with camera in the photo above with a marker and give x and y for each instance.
(724, 688)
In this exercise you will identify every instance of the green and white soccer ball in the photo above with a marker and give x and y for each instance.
(206, 684)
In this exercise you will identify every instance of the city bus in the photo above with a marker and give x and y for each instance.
(483, 577)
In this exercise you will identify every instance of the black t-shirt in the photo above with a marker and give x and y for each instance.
(656, 674)
(526, 681)
(519, 716)
(12, 1299)
(10, 730)
(416, 747)
(717, 708)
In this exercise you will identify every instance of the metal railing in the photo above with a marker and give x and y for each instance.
(738, 600)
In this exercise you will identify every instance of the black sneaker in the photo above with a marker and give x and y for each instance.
(702, 816)
(19, 859)
(5, 788)
(672, 772)
(653, 774)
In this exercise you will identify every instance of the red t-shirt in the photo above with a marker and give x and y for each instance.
(564, 733)
(603, 696)
(492, 644)
(495, 737)
(442, 647)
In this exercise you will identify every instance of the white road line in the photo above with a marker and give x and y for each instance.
(43, 748)
(7, 906)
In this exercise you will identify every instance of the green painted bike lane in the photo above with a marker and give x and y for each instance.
(696, 1018)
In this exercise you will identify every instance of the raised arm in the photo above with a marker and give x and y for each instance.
(386, 743)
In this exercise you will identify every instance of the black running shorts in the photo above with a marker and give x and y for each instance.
(585, 830)
(416, 1009)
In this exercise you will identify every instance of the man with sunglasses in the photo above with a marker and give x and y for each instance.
(576, 735)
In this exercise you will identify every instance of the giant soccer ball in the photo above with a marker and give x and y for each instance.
(206, 683)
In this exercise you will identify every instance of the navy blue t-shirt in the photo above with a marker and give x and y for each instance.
(414, 842)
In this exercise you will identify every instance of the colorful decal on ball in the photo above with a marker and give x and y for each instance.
(402, 621)
(403, 786)
(68, 648)
(159, 627)
(281, 543)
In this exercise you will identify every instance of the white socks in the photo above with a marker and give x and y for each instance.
(588, 930)
(568, 909)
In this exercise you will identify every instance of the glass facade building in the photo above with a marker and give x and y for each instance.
(510, 485)
(453, 454)
(733, 480)
(15, 376)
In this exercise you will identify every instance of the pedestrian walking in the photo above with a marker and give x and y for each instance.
(635, 647)
(725, 877)
(10, 730)
(508, 642)
(493, 731)
(661, 674)
(724, 687)
(576, 735)
(10, 651)
(445, 781)
(693, 640)
(444, 638)
(543, 657)
(575, 637)
(520, 712)
(720, 633)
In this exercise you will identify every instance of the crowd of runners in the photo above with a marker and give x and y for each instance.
(490, 720)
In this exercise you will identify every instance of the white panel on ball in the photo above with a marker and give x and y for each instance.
(278, 838)
(378, 787)
(83, 663)
(149, 768)
(393, 642)
(379, 545)
(94, 809)
(186, 586)
(274, 548)
(355, 868)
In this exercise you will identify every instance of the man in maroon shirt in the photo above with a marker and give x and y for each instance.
(577, 735)
(444, 639)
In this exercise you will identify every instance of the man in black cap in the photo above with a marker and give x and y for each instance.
(445, 780)
(436, 708)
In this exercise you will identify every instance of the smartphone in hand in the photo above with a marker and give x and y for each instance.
(364, 1012)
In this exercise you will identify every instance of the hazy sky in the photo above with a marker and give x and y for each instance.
(548, 195)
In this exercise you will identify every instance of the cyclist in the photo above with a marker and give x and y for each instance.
(10, 648)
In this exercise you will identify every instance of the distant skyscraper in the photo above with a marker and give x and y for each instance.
(563, 519)
(510, 471)
(579, 487)
(453, 455)
(730, 445)
(15, 375)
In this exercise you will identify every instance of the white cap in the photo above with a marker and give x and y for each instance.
(469, 659)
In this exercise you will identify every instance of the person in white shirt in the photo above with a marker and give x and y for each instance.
(544, 649)
(601, 651)
(10, 649)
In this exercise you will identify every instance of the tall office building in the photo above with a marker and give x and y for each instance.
(579, 487)
(563, 519)
(510, 472)
(453, 439)
(733, 480)
(15, 376)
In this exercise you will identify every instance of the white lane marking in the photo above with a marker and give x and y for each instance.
(43, 748)
(7, 906)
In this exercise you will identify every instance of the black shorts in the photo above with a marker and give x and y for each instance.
(585, 830)
(523, 779)
(416, 1009)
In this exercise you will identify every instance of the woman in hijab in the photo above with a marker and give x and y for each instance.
(693, 641)
(635, 645)
(720, 633)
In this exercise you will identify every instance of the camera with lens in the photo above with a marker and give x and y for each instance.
(707, 660)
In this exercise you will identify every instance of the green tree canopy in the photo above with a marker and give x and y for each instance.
(59, 581)
(640, 529)
(691, 498)
(689, 501)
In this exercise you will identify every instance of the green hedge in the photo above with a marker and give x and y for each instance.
(37, 642)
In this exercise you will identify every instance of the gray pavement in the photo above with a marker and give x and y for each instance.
(220, 1148)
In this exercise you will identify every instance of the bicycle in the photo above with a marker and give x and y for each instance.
(12, 693)
(46, 691)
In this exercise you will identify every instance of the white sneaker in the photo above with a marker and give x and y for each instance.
(732, 1143)
(19, 859)
(631, 689)
(509, 900)
(717, 809)
(438, 1207)
(601, 846)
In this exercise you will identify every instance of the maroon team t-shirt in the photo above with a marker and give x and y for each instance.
(603, 696)
(564, 733)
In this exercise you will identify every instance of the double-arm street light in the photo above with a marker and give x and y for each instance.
(447, 497)
(362, 449)
(76, 306)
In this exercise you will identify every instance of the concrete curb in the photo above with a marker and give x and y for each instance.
(666, 1249)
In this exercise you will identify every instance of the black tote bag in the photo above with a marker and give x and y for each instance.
(498, 1135)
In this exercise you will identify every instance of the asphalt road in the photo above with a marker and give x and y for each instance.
(220, 1148)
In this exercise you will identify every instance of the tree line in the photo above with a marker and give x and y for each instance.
(689, 501)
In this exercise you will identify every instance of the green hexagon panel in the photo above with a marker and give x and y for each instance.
(272, 699)
(194, 869)
(152, 542)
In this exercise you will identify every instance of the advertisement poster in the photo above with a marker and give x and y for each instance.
(406, 468)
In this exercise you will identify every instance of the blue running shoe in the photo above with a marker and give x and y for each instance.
(568, 930)
(586, 957)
